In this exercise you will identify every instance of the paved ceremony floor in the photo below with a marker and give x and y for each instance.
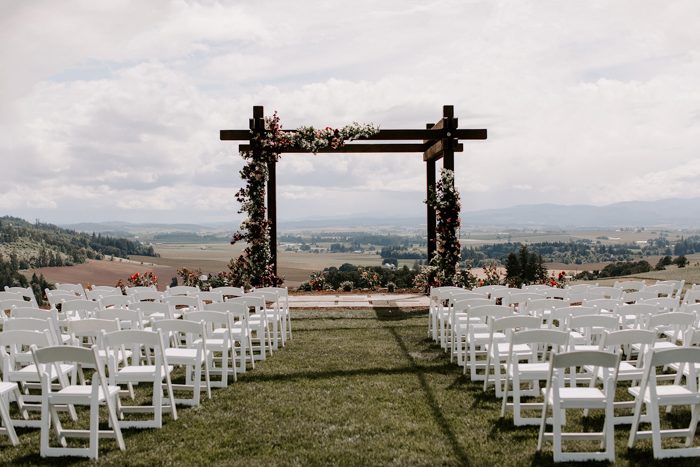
(358, 300)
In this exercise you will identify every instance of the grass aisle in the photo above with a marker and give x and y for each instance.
(352, 388)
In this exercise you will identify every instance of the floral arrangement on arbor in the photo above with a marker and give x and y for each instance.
(444, 265)
(253, 267)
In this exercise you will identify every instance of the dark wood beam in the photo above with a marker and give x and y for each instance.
(367, 148)
(436, 150)
(431, 218)
(383, 135)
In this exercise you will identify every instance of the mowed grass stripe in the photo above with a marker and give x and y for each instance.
(354, 387)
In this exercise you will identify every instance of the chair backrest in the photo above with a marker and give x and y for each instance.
(13, 343)
(580, 358)
(592, 326)
(229, 291)
(562, 315)
(459, 295)
(579, 287)
(537, 288)
(8, 304)
(86, 332)
(181, 290)
(181, 331)
(660, 290)
(509, 324)
(677, 286)
(164, 310)
(462, 305)
(662, 303)
(58, 297)
(604, 304)
(691, 296)
(76, 289)
(128, 319)
(237, 310)
(140, 289)
(33, 324)
(556, 292)
(210, 297)
(191, 303)
(605, 292)
(516, 299)
(96, 293)
(270, 296)
(212, 319)
(489, 312)
(488, 289)
(135, 339)
(79, 308)
(617, 341)
(630, 286)
(150, 295)
(257, 303)
(548, 337)
(663, 357)
(114, 301)
(539, 305)
(31, 312)
(26, 292)
(497, 294)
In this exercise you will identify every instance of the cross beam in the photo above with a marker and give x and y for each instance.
(439, 140)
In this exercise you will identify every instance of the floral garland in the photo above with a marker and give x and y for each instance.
(254, 267)
(444, 265)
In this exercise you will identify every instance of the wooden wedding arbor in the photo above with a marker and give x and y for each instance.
(439, 140)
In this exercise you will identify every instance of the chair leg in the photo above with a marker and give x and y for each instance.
(94, 429)
(5, 416)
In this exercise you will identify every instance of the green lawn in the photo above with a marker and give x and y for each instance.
(352, 388)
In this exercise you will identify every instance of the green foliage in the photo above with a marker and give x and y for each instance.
(525, 268)
(662, 263)
(681, 261)
(362, 277)
(626, 268)
(346, 286)
(40, 245)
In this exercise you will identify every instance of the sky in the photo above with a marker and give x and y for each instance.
(111, 110)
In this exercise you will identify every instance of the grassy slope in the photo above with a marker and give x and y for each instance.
(353, 387)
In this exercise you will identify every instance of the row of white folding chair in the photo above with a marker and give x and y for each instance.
(649, 397)
(437, 311)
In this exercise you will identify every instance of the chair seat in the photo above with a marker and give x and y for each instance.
(504, 347)
(141, 373)
(181, 356)
(669, 394)
(578, 397)
(625, 372)
(6, 388)
(79, 394)
(29, 373)
(531, 371)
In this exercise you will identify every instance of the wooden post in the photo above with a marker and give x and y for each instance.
(431, 220)
(258, 127)
(448, 156)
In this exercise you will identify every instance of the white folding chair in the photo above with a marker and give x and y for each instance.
(26, 292)
(629, 370)
(240, 329)
(478, 335)
(283, 301)
(561, 398)
(261, 337)
(135, 372)
(221, 342)
(96, 394)
(498, 349)
(529, 369)
(76, 289)
(652, 396)
(274, 316)
(185, 345)
(8, 392)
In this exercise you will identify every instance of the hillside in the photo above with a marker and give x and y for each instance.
(38, 245)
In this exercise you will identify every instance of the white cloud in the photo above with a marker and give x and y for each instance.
(117, 105)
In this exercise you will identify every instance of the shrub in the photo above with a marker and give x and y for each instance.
(681, 261)
(346, 286)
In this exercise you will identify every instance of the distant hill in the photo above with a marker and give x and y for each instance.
(38, 245)
(668, 212)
